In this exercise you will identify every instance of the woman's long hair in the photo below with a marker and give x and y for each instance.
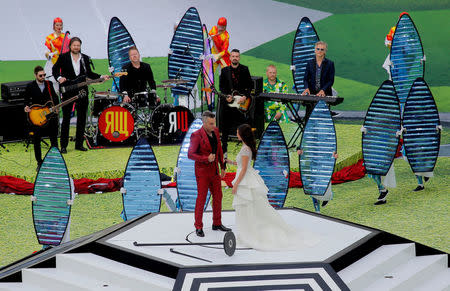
(246, 133)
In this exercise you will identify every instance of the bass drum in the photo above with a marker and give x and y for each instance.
(170, 123)
(116, 123)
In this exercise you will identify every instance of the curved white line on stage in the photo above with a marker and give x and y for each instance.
(250, 23)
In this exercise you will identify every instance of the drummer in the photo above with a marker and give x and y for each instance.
(139, 76)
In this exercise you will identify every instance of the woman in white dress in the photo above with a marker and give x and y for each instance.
(258, 225)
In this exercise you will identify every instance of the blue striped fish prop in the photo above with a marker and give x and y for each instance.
(318, 145)
(141, 192)
(381, 130)
(302, 51)
(422, 129)
(407, 57)
(186, 49)
(272, 162)
(51, 199)
(119, 41)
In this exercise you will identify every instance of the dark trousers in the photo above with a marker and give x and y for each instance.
(81, 106)
(52, 129)
(230, 120)
(213, 183)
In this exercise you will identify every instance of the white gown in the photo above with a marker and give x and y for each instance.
(258, 224)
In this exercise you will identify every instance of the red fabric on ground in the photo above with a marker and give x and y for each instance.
(86, 186)
(15, 185)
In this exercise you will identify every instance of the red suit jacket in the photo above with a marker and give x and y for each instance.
(200, 149)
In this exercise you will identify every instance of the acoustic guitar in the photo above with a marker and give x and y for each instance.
(71, 85)
(39, 114)
(243, 107)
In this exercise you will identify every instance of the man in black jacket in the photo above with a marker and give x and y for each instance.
(233, 79)
(40, 92)
(140, 75)
(74, 66)
(319, 75)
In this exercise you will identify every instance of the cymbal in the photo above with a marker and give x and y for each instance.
(165, 86)
(175, 81)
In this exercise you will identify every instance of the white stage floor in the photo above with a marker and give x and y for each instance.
(335, 236)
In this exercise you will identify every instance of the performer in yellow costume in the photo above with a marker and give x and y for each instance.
(221, 39)
(54, 43)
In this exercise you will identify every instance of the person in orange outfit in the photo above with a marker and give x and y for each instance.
(221, 39)
(54, 41)
(53, 44)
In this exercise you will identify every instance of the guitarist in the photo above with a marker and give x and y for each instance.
(40, 92)
(234, 78)
(73, 67)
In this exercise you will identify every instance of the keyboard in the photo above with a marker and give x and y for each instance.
(290, 97)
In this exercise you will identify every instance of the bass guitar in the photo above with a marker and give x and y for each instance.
(71, 85)
(243, 107)
(39, 114)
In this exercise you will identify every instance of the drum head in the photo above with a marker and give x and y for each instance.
(171, 123)
(229, 243)
(116, 123)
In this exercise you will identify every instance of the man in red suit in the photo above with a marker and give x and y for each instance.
(205, 149)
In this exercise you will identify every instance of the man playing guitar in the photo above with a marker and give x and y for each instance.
(234, 78)
(73, 67)
(41, 91)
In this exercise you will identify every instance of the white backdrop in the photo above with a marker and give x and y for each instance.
(24, 24)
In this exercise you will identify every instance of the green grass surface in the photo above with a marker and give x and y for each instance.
(358, 6)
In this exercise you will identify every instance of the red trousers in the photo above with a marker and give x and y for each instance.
(213, 183)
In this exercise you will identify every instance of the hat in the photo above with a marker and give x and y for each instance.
(56, 20)
(222, 21)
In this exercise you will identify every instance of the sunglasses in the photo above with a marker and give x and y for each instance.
(320, 49)
(42, 75)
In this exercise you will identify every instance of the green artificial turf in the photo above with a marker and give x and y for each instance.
(358, 6)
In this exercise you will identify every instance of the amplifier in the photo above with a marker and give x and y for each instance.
(257, 85)
(14, 92)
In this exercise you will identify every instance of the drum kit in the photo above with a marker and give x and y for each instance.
(115, 121)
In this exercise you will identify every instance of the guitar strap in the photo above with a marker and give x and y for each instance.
(49, 92)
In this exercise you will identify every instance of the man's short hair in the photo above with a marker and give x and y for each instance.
(271, 66)
(74, 39)
(235, 51)
(207, 114)
(133, 48)
(37, 69)
(322, 43)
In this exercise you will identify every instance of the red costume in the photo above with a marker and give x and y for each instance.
(207, 174)
(221, 44)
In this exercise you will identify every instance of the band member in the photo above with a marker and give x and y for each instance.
(319, 75)
(74, 66)
(274, 109)
(233, 79)
(54, 41)
(205, 150)
(221, 39)
(53, 44)
(140, 75)
(40, 92)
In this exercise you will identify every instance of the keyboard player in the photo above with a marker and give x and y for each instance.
(319, 76)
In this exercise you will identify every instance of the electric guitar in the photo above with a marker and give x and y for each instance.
(243, 107)
(71, 85)
(38, 115)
